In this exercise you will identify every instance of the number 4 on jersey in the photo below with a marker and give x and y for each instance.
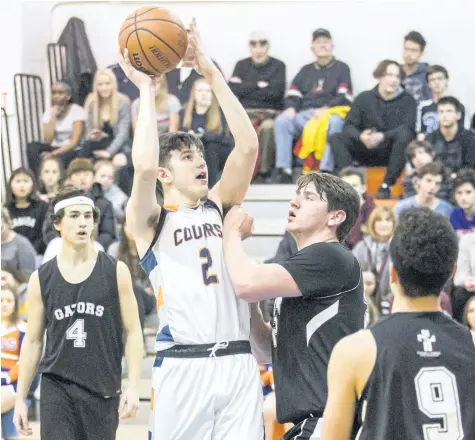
(206, 266)
(77, 334)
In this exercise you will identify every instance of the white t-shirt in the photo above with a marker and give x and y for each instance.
(63, 129)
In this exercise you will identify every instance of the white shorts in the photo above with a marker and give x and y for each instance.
(216, 398)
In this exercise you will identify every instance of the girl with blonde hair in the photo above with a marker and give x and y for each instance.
(108, 121)
(203, 117)
(373, 249)
(167, 108)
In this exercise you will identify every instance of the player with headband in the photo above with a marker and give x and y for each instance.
(84, 300)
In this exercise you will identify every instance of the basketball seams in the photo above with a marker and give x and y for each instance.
(160, 39)
(139, 43)
(153, 19)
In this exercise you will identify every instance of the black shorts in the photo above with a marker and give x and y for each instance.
(69, 411)
(305, 430)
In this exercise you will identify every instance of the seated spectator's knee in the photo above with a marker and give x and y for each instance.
(283, 121)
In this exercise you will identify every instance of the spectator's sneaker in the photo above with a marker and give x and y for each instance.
(384, 192)
(281, 177)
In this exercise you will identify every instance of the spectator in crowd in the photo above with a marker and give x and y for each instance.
(80, 174)
(469, 315)
(427, 184)
(18, 283)
(180, 80)
(13, 331)
(378, 127)
(16, 251)
(464, 278)
(427, 117)
(26, 210)
(377, 303)
(418, 154)
(104, 174)
(167, 108)
(414, 78)
(108, 121)
(373, 249)
(63, 127)
(454, 146)
(125, 250)
(357, 180)
(318, 86)
(463, 217)
(203, 117)
(259, 83)
(51, 177)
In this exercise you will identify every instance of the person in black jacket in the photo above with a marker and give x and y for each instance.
(259, 83)
(379, 126)
(26, 210)
(318, 86)
(80, 174)
(453, 145)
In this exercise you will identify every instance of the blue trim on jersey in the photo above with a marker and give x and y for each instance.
(149, 262)
(149, 435)
(158, 361)
(165, 335)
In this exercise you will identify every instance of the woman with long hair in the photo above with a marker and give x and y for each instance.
(26, 210)
(167, 108)
(13, 332)
(203, 117)
(63, 127)
(373, 249)
(51, 176)
(108, 121)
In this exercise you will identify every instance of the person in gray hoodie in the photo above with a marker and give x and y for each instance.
(414, 79)
(104, 174)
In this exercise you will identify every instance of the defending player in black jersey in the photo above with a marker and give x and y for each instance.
(321, 296)
(85, 302)
(413, 372)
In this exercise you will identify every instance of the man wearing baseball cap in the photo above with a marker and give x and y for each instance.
(320, 85)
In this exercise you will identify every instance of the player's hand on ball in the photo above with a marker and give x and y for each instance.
(202, 63)
(20, 418)
(129, 404)
(137, 77)
(239, 220)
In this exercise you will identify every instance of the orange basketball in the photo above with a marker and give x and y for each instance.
(155, 38)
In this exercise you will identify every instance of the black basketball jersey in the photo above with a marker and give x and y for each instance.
(83, 327)
(305, 329)
(423, 382)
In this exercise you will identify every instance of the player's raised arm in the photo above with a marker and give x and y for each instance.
(237, 173)
(142, 208)
(30, 355)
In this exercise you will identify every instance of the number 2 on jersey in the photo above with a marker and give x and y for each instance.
(77, 334)
(438, 398)
(206, 266)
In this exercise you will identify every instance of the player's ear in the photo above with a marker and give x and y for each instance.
(336, 218)
(164, 175)
(393, 278)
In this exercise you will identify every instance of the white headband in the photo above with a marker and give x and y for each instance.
(79, 200)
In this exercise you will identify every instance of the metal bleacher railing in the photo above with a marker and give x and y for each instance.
(7, 166)
(30, 106)
(57, 62)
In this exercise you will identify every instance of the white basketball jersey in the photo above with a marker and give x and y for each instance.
(195, 298)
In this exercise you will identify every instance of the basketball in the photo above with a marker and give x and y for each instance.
(155, 38)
